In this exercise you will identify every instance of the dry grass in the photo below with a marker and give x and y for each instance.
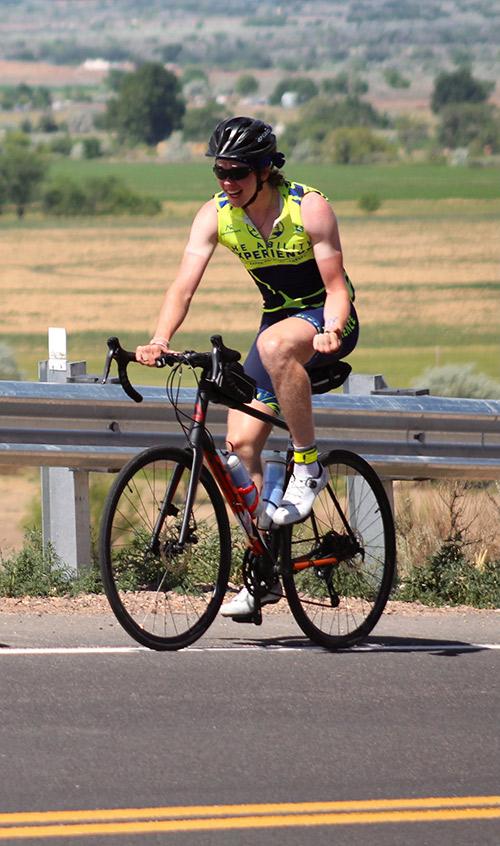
(106, 276)
(429, 512)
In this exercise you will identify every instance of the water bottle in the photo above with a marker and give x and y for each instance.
(243, 482)
(272, 488)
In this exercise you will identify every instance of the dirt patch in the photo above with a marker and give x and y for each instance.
(97, 604)
(42, 73)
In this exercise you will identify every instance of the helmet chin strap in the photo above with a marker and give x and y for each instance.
(258, 188)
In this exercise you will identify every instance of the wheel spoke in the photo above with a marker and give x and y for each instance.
(338, 604)
(164, 594)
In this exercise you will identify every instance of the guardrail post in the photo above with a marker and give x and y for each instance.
(65, 492)
(363, 384)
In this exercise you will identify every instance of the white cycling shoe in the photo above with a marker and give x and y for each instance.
(243, 603)
(299, 497)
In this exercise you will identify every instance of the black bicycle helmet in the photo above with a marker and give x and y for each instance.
(246, 140)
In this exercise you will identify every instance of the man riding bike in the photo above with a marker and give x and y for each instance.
(286, 236)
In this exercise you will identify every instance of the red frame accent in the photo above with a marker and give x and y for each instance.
(233, 496)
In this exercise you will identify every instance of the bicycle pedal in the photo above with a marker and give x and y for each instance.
(255, 617)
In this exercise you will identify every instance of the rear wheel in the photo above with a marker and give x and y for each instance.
(164, 595)
(338, 564)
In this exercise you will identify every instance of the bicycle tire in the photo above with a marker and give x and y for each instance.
(163, 596)
(365, 549)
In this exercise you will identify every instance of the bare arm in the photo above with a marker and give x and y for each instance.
(198, 252)
(320, 224)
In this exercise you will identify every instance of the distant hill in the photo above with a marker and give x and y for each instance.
(397, 46)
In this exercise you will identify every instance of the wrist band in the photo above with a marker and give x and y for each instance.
(160, 342)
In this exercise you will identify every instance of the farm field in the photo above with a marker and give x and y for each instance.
(426, 274)
(194, 181)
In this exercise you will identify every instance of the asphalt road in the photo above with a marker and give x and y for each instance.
(394, 743)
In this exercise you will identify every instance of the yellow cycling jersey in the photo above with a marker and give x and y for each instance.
(283, 267)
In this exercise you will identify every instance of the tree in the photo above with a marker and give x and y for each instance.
(321, 116)
(345, 83)
(198, 124)
(246, 84)
(148, 107)
(21, 171)
(459, 87)
(356, 145)
(462, 124)
(302, 86)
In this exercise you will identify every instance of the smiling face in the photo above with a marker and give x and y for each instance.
(238, 180)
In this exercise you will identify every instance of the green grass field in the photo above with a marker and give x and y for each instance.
(195, 182)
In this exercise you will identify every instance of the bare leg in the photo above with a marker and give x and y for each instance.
(284, 349)
(247, 436)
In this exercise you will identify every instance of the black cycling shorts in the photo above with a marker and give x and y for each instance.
(253, 364)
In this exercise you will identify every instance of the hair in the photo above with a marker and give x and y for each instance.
(276, 178)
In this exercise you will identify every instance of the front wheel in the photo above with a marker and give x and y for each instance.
(164, 594)
(338, 564)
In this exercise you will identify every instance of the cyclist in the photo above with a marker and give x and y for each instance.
(286, 236)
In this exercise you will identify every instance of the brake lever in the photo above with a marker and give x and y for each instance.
(122, 358)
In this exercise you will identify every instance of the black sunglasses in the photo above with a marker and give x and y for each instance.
(234, 174)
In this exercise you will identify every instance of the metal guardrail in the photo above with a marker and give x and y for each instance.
(71, 429)
(96, 427)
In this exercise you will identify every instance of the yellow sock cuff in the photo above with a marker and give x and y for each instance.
(305, 456)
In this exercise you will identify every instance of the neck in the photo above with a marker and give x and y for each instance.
(265, 202)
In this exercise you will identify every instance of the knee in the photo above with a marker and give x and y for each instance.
(245, 448)
(273, 350)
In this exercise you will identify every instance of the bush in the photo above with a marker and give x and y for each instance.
(62, 145)
(369, 202)
(356, 145)
(98, 196)
(64, 197)
(448, 578)
(458, 380)
(8, 366)
(33, 571)
(395, 79)
(246, 84)
(91, 148)
(38, 571)
(463, 124)
(303, 87)
(459, 87)
(199, 123)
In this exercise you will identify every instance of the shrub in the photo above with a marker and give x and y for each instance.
(449, 578)
(8, 366)
(198, 123)
(369, 202)
(356, 145)
(33, 571)
(303, 87)
(64, 197)
(62, 145)
(91, 148)
(98, 196)
(458, 380)
(37, 571)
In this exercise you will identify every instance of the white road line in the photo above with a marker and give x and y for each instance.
(375, 647)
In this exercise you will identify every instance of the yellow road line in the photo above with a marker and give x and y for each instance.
(248, 809)
(250, 822)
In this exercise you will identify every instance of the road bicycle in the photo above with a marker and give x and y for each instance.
(174, 519)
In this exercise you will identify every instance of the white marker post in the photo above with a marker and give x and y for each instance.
(65, 492)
